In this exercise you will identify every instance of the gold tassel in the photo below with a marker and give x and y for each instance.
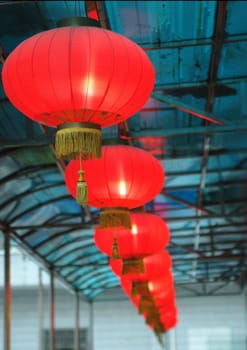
(70, 141)
(114, 217)
(142, 288)
(153, 318)
(133, 290)
(158, 330)
(115, 249)
(133, 265)
(147, 304)
(81, 190)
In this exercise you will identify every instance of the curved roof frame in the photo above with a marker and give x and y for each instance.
(207, 241)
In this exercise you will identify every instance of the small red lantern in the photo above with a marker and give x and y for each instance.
(148, 235)
(169, 318)
(78, 78)
(165, 299)
(168, 309)
(155, 265)
(123, 178)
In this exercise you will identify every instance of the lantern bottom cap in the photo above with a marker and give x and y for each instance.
(115, 217)
(133, 265)
(74, 139)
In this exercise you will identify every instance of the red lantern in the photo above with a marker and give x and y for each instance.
(169, 318)
(148, 235)
(168, 309)
(155, 265)
(79, 79)
(165, 299)
(123, 178)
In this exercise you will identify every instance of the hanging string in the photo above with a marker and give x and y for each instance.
(80, 159)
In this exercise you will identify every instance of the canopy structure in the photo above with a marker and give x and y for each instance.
(195, 124)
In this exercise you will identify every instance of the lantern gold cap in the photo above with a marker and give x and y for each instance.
(114, 217)
(78, 21)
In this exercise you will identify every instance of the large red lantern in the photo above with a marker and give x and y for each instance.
(78, 78)
(148, 235)
(155, 265)
(123, 178)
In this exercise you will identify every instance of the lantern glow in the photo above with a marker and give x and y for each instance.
(122, 188)
(134, 229)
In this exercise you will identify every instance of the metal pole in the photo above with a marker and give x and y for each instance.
(40, 310)
(91, 324)
(77, 322)
(7, 290)
(52, 311)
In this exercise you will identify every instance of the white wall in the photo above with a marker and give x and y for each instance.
(212, 323)
(119, 326)
(205, 323)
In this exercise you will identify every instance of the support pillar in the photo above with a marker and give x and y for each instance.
(7, 288)
(91, 327)
(52, 311)
(41, 311)
(77, 322)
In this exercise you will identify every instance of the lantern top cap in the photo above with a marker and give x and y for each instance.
(78, 21)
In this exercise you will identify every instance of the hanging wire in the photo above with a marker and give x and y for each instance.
(80, 156)
(79, 6)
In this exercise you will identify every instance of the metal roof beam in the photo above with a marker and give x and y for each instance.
(84, 260)
(35, 141)
(60, 234)
(210, 171)
(59, 247)
(74, 250)
(203, 217)
(26, 171)
(40, 205)
(74, 227)
(223, 257)
(191, 42)
(97, 275)
(178, 104)
(237, 127)
(200, 83)
(72, 273)
(30, 192)
(214, 227)
(188, 204)
(219, 32)
(207, 234)
(171, 219)
(216, 185)
(3, 3)
(190, 249)
(54, 235)
(196, 130)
